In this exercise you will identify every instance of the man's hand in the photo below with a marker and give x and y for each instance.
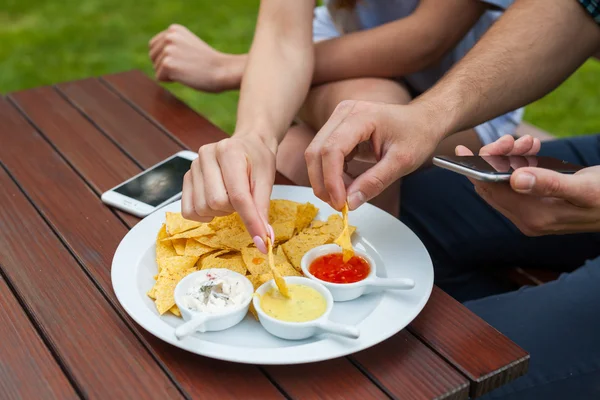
(539, 201)
(397, 139)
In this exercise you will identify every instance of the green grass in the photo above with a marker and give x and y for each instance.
(44, 42)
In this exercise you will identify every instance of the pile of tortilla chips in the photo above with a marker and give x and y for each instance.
(184, 246)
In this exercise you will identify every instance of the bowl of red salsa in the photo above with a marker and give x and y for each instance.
(347, 280)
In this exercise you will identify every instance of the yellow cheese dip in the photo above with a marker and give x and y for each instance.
(304, 304)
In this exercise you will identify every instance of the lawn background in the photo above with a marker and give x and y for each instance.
(45, 42)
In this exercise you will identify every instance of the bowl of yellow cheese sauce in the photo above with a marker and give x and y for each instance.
(304, 313)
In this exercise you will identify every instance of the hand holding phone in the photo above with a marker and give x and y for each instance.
(152, 189)
(500, 168)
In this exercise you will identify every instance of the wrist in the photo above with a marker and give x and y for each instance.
(436, 119)
(268, 140)
(230, 69)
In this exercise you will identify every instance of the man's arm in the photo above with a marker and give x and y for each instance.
(525, 55)
(277, 75)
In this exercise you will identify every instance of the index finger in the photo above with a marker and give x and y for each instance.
(235, 172)
(353, 129)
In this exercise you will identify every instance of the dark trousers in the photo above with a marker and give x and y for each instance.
(557, 323)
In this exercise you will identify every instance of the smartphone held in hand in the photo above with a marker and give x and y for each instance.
(500, 168)
(152, 189)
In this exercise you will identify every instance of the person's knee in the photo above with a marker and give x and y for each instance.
(322, 99)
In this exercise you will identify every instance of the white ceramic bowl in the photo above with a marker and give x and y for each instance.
(197, 321)
(302, 330)
(351, 291)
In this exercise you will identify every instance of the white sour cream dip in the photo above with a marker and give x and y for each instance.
(215, 293)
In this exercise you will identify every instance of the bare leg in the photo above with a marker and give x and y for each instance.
(317, 108)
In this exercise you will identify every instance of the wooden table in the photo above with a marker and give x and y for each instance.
(64, 334)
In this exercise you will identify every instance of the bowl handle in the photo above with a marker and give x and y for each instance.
(339, 329)
(191, 326)
(392, 283)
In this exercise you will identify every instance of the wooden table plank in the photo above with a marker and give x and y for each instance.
(164, 109)
(345, 368)
(487, 357)
(124, 125)
(62, 128)
(169, 113)
(154, 103)
(92, 233)
(27, 370)
(412, 371)
(312, 381)
(94, 345)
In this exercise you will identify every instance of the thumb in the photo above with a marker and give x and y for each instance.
(547, 183)
(371, 182)
(462, 151)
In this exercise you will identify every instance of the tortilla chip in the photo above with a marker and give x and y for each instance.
(165, 287)
(202, 230)
(195, 248)
(255, 261)
(225, 259)
(175, 311)
(296, 247)
(344, 239)
(177, 224)
(304, 216)
(227, 239)
(151, 293)
(279, 281)
(283, 231)
(252, 311)
(179, 245)
(284, 267)
(177, 263)
(282, 211)
(163, 249)
(229, 221)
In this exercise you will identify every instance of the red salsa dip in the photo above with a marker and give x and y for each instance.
(332, 268)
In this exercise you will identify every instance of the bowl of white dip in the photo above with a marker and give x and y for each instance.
(212, 300)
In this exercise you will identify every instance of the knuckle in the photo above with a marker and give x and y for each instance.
(216, 202)
(203, 152)
(237, 197)
(345, 106)
(169, 49)
(375, 184)
(310, 154)
(223, 146)
(534, 226)
(553, 186)
(174, 28)
(404, 160)
(167, 62)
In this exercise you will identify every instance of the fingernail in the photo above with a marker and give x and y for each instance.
(260, 244)
(271, 233)
(524, 182)
(355, 200)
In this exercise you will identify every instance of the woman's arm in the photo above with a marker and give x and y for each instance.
(278, 71)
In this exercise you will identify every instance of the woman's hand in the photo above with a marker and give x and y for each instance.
(180, 56)
(539, 201)
(235, 174)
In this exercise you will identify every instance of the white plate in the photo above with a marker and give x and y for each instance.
(395, 248)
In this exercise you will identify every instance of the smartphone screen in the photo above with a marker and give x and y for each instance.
(158, 184)
(505, 165)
